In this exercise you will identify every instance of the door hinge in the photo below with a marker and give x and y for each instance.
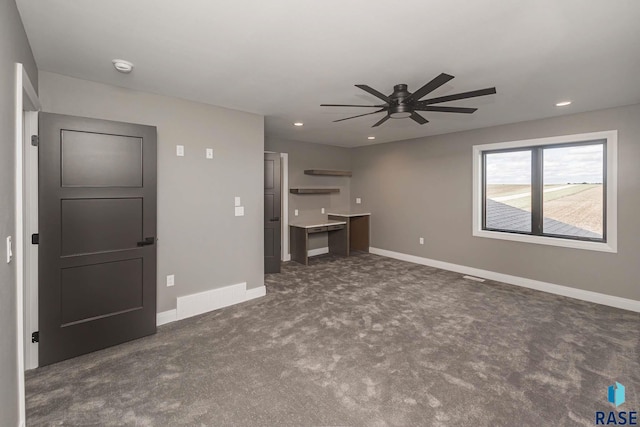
(35, 140)
(35, 239)
(35, 337)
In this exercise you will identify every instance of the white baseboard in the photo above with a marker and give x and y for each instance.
(319, 251)
(166, 317)
(310, 252)
(204, 302)
(255, 293)
(580, 294)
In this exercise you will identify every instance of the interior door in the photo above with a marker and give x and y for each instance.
(97, 225)
(272, 208)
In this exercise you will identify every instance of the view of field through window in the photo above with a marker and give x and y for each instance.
(509, 185)
(573, 197)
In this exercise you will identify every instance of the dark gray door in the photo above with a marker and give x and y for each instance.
(272, 234)
(97, 225)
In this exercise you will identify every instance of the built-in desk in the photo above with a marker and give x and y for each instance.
(299, 237)
(357, 229)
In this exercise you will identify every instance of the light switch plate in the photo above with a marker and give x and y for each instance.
(236, 201)
(171, 280)
(180, 150)
(422, 240)
(295, 212)
(209, 153)
(239, 210)
(9, 249)
(358, 200)
(322, 210)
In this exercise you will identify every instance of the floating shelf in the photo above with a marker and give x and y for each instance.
(313, 190)
(326, 172)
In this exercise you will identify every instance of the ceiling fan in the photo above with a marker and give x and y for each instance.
(402, 103)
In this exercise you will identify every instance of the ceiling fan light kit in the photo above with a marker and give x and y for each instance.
(402, 104)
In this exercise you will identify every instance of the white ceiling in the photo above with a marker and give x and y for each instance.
(283, 58)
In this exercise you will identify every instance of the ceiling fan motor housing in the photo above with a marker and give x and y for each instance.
(398, 109)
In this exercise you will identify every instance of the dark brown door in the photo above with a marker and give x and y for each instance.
(272, 234)
(97, 225)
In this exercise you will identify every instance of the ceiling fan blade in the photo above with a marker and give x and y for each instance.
(374, 92)
(429, 87)
(349, 105)
(381, 121)
(366, 114)
(463, 95)
(444, 109)
(418, 118)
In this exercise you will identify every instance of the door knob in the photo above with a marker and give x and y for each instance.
(147, 241)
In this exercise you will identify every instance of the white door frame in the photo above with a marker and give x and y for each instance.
(284, 183)
(30, 251)
(26, 99)
(284, 202)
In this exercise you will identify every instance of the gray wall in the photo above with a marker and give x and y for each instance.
(423, 188)
(200, 239)
(14, 47)
(304, 155)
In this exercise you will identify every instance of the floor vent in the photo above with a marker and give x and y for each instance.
(477, 279)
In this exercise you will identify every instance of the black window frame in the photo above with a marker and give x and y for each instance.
(537, 185)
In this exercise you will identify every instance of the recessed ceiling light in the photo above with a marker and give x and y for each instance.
(371, 137)
(298, 124)
(123, 66)
(563, 103)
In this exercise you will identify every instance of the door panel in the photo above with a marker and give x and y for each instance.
(100, 290)
(98, 225)
(269, 170)
(97, 201)
(269, 208)
(269, 239)
(99, 160)
(272, 208)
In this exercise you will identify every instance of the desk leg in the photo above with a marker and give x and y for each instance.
(298, 243)
(347, 232)
(359, 233)
(339, 242)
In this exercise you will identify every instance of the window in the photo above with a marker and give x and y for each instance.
(557, 191)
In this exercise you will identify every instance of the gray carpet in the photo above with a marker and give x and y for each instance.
(359, 341)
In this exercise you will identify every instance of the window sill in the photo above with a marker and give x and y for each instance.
(610, 247)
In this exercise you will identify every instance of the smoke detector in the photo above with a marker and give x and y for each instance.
(122, 66)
